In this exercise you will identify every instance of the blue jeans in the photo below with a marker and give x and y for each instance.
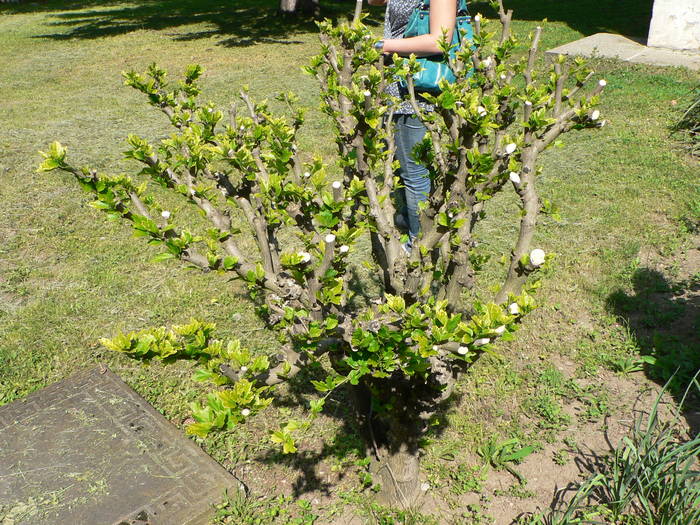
(410, 131)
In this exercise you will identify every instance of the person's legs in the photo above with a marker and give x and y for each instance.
(409, 132)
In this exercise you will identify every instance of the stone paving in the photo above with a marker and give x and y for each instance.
(616, 46)
(90, 451)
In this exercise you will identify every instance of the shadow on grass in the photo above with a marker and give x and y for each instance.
(352, 438)
(625, 17)
(664, 317)
(235, 23)
(246, 22)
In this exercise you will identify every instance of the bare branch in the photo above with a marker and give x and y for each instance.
(532, 55)
(531, 206)
(358, 12)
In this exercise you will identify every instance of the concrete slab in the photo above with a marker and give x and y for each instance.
(602, 45)
(675, 24)
(90, 451)
(616, 46)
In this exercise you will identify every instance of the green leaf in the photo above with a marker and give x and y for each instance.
(317, 405)
(229, 262)
(199, 429)
(165, 256)
(204, 375)
(320, 386)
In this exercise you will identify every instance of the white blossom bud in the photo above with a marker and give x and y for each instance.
(463, 350)
(307, 174)
(510, 148)
(482, 111)
(245, 412)
(602, 83)
(513, 309)
(305, 256)
(528, 103)
(242, 128)
(500, 330)
(537, 257)
(165, 214)
(329, 238)
(450, 214)
(595, 115)
(503, 76)
(514, 177)
(436, 348)
(344, 248)
(477, 18)
(367, 93)
(244, 369)
(337, 185)
(482, 341)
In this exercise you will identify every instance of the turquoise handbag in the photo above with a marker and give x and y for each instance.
(436, 68)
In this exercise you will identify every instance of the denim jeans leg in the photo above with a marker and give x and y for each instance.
(409, 132)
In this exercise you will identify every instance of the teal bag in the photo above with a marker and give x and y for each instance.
(436, 67)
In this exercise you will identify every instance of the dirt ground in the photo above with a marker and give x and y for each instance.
(631, 395)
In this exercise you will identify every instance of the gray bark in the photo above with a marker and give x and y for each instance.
(289, 7)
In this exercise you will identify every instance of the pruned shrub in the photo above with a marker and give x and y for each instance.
(399, 352)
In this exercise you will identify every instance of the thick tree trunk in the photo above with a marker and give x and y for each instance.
(291, 7)
(393, 436)
(397, 470)
(288, 6)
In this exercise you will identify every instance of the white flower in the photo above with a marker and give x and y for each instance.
(367, 93)
(510, 148)
(242, 128)
(305, 256)
(528, 103)
(501, 329)
(482, 111)
(602, 83)
(165, 214)
(513, 309)
(463, 350)
(245, 412)
(482, 341)
(244, 369)
(487, 61)
(307, 174)
(329, 238)
(514, 177)
(436, 348)
(595, 115)
(477, 18)
(537, 257)
(337, 185)
(450, 214)
(503, 76)
(344, 248)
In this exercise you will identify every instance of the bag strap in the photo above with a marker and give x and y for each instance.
(462, 9)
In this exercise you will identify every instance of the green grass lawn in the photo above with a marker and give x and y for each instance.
(69, 277)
